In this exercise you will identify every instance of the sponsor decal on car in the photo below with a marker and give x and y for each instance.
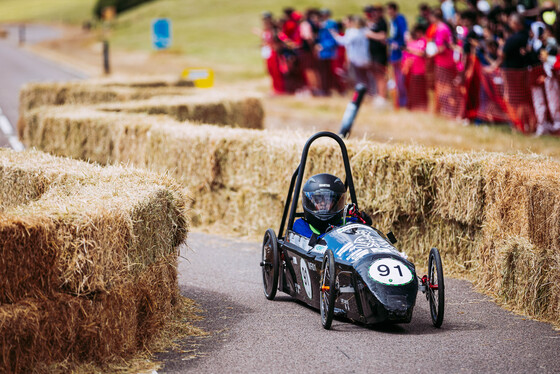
(345, 303)
(305, 278)
(298, 240)
(320, 248)
(364, 239)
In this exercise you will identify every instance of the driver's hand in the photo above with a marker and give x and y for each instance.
(366, 218)
(362, 216)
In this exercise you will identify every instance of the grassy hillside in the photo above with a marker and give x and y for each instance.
(68, 11)
(214, 32)
(217, 31)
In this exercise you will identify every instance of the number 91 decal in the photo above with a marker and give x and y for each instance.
(390, 272)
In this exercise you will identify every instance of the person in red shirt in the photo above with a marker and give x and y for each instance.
(269, 52)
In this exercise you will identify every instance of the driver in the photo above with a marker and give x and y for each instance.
(324, 199)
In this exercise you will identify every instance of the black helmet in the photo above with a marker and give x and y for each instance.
(323, 199)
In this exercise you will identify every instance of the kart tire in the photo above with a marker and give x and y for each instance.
(270, 264)
(327, 295)
(436, 297)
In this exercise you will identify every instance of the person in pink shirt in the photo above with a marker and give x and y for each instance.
(443, 39)
(414, 68)
(448, 96)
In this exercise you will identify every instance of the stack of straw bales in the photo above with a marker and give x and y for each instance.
(152, 97)
(495, 217)
(88, 262)
(211, 108)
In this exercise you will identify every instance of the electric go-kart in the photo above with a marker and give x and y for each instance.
(353, 271)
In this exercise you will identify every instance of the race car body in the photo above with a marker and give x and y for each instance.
(375, 281)
(353, 271)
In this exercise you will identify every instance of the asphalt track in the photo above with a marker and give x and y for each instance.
(17, 67)
(253, 335)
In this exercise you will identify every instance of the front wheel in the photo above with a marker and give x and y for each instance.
(270, 264)
(436, 288)
(328, 289)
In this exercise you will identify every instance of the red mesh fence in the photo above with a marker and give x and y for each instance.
(517, 98)
(417, 90)
(552, 89)
(448, 95)
(491, 106)
(528, 99)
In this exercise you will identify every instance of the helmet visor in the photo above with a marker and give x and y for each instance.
(324, 201)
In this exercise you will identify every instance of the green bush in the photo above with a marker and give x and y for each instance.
(120, 5)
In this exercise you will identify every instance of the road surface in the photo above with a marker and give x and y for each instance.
(17, 67)
(254, 335)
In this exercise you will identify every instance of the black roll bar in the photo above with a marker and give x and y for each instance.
(298, 179)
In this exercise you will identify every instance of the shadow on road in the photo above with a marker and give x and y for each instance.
(220, 314)
(418, 326)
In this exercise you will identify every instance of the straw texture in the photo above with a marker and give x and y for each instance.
(88, 260)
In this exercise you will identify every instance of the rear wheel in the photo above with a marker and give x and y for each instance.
(328, 289)
(270, 264)
(436, 287)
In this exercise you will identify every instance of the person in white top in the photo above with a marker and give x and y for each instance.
(357, 49)
(448, 10)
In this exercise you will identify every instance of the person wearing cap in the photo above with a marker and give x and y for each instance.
(396, 42)
(290, 27)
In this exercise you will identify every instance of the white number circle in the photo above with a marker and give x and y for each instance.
(390, 271)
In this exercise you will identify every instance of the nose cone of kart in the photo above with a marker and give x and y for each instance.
(377, 312)
(398, 308)
(397, 304)
(397, 301)
(386, 302)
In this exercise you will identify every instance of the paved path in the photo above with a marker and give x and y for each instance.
(253, 335)
(17, 67)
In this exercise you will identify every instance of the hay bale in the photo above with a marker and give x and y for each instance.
(209, 108)
(100, 90)
(88, 266)
(35, 95)
(90, 209)
(76, 329)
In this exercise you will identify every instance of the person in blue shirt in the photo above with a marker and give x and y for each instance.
(324, 200)
(397, 44)
(326, 52)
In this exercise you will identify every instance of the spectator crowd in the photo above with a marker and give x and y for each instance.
(485, 60)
